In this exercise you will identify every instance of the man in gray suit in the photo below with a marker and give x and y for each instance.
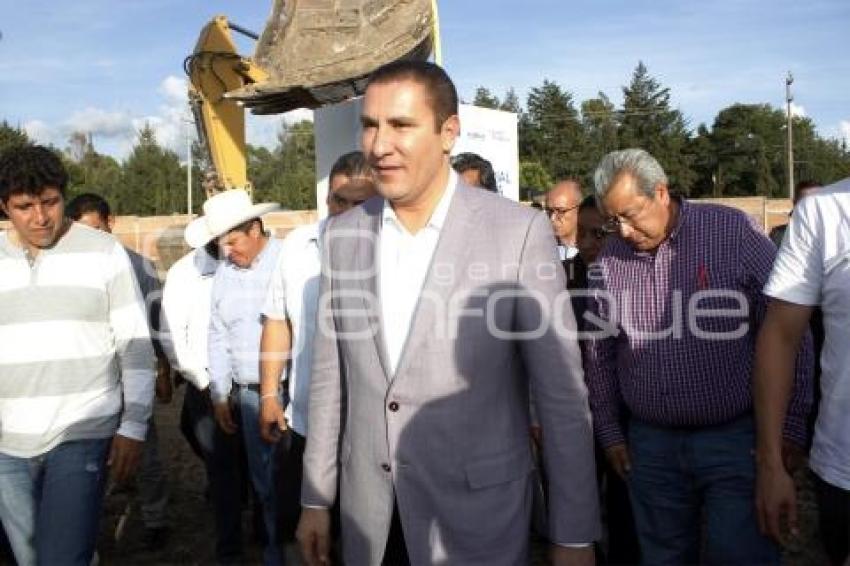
(441, 307)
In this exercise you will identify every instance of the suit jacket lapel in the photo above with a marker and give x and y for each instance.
(367, 264)
(452, 249)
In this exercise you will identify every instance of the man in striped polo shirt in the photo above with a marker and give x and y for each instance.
(76, 366)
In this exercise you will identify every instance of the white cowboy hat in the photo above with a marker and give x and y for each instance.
(222, 213)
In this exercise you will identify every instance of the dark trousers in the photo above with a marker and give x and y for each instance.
(834, 512)
(623, 547)
(221, 454)
(395, 553)
(290, 461)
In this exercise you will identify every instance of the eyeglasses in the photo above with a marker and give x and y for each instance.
(558, 212)
(613, 223)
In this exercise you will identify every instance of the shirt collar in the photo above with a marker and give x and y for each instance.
(204, 262)
(684, 208)
(320, 230)
(438, 217)
(270, 243)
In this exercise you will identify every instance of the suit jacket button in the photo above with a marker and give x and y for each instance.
(393, 406)
(385, 467)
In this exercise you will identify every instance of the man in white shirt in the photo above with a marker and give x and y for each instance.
(440, 307)
(812, 269)
(289, 324)
(562, 202)
(186, 305)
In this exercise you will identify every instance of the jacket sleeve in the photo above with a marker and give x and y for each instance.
(319, 486)
(553, 364)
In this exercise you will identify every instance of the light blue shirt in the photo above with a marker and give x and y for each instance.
(236, 322)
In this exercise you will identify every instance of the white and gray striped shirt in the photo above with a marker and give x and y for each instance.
(76, 360)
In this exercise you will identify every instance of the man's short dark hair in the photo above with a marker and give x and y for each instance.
(352, 164)
(587, 202)
(246, 226)
(30, 169)
(440, 88)
(802, 187)
(468, 160)
(82, 204)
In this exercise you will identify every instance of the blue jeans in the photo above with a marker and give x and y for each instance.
(688, 481)
(262, 462)
(50, 505)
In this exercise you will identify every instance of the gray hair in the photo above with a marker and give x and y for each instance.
(638, 162)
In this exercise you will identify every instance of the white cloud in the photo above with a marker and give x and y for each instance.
(174, 89)
(798, 111)
(99, 123)
(844, 129)
(39, 132)
(115, 132)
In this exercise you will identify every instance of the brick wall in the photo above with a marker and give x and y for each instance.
(160, 238)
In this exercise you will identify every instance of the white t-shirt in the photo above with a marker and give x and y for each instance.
(294, 295)
(813, 268)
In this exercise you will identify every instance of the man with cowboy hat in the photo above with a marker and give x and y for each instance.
(238, 292)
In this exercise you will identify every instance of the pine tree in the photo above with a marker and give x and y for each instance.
(647, 121)
(485, 99)
(153, 182)
(12, 137)
(551, 131)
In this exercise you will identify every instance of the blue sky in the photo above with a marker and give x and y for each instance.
(109, 66)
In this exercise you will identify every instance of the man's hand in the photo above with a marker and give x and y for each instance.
(124, 456)
(272, 420)
(570, 556)
(618, 457)
(793, 456)
(314, 536)
(224, 417)
(775, 498)
(163, 389)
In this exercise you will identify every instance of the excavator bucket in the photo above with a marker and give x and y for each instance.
(319, 52)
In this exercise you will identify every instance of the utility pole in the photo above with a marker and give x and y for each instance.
(188, 170)
(789, 79)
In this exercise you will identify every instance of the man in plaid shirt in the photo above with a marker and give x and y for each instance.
(677, 304)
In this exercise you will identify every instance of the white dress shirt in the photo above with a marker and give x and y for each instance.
(186, 308)
(404, 262)
(294, 296)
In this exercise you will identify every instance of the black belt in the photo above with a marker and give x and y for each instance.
(249, 386)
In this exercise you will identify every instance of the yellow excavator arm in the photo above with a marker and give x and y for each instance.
(215, 68)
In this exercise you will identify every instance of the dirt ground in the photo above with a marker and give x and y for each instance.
(192, 538)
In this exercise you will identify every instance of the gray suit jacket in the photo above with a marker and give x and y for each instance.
(447, 435)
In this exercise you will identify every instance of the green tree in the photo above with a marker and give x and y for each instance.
(288, 174)
(12, 137)
(647, 121)
(551, 132)
(99, 174)
(534, 177)
(510, 103)
(599, 121)
(152, 181)
(485, 99)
